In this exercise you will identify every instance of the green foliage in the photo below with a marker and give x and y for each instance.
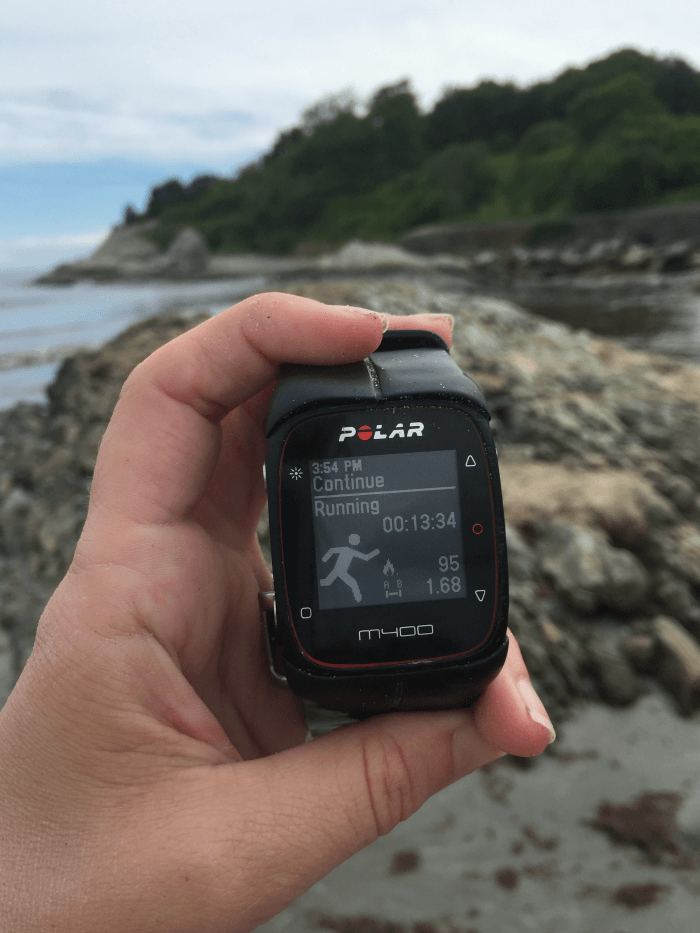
(609, 177)
(544, 137)
(623, 131)
(462, 174)
(627, 98)
(680, 153)
(382, 214)
(480, 113)
(678, 87)
(541, 183)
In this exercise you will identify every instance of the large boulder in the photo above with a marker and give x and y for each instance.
(128, 253)
(126, 248)
(187, 257)
(589, 573)
(126, 243)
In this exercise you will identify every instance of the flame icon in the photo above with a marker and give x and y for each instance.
(388, 569)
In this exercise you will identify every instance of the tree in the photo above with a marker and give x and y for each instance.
(678, 87)
(398, 130)
(461, 172)
(482, 112)
(626, 98)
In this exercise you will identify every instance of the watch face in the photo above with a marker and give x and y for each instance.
(388, 542)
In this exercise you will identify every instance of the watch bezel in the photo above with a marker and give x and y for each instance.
(286, 629)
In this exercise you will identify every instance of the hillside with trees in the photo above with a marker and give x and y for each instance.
(622, 132)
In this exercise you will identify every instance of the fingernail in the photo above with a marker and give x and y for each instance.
(445, 317)
(535, 708)
(374, 314)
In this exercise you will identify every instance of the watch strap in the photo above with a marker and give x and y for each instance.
(406, 363)
(367, 694)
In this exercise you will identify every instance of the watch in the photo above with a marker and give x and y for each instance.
(386, 531)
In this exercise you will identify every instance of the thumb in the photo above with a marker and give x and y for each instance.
(319, 803)
(311, 807)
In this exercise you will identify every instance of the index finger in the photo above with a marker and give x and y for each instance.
(162, 442)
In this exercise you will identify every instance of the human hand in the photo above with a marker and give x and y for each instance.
(152, 775)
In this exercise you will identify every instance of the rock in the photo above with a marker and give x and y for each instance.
(588, 572)
(621, 502)
(551, 633)
(677, 597)
(679, 550)
(640, 651)
(651, 227)
(249, 265)
(676, 257)
(127, 253)
(371, 257)
(484, 259)
(571, 260)
(614, 676)
(604, 251)
(186, 258)
(521, 558)
(637, 258)
(599, 449)
(127, 245)
(47, 456)
(7, 672)
(678, 663)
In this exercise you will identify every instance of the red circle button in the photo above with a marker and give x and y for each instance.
(477, 528)
(364, 432)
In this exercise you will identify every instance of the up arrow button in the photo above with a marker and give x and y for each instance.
(480, 595)
(470, 461)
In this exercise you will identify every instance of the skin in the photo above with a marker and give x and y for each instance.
(152, 776)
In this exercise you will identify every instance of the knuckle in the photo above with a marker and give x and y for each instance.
(389, 782)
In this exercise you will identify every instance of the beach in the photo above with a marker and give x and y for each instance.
(41, 325)
(598, 447)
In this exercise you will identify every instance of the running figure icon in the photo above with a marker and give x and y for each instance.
(345, 557)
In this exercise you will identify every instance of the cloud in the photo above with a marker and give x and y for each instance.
(58, 126)
(41, 252)
(91, 78)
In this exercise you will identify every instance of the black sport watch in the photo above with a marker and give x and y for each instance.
(387, 532)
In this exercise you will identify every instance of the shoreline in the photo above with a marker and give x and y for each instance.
(644, 311)
(599, 450)
(599, 455)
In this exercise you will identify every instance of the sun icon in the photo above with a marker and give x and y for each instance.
(296, 473)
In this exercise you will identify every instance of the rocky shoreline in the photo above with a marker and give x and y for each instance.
(657, 240)
(618, 287)
(128, 255)
(600, 456)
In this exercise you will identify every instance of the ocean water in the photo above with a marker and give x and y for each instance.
(40, 325)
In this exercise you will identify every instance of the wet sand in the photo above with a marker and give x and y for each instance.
(513, 850)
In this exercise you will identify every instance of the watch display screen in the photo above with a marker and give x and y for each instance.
(387, 532)
(387, 529)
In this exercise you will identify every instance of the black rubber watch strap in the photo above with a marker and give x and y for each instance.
(398, 368)
(362, 695)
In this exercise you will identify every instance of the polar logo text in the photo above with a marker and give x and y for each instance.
(365, 432)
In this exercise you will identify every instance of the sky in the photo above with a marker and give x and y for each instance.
(101, 100)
